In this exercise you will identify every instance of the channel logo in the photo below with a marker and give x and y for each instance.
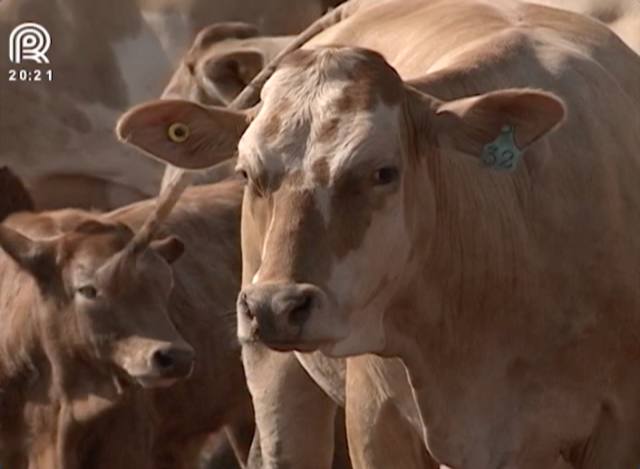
(29, 41)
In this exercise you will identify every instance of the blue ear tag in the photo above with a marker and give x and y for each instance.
(502, 154)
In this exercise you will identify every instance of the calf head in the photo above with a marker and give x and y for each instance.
(341, 167)
(222, 60)
(102, 298)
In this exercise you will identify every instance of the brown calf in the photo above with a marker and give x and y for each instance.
(74, 367)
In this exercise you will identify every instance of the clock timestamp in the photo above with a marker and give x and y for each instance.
(26, 75)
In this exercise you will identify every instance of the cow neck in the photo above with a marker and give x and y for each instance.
(467, 272)
(38, 361)
(20, 351)
(77, 375)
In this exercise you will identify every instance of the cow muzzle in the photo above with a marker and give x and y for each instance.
(162, 365)
(283, 316)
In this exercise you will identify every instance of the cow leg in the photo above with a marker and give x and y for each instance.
(341, 458)
(379, 430)
(240, 435)
(294, 417)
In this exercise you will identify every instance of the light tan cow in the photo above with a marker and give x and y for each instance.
(120, 424)
(285, 423)
(414, 227)
(221, 61)
(105, 57)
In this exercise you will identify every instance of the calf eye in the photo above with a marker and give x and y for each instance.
(385, 175)
(88, 291)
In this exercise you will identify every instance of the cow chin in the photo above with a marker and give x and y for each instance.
(281, 342)
(152, 382)
(340, 343)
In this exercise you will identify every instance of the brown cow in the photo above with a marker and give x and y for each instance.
(91, 302)
(415, 226)
(70, 360)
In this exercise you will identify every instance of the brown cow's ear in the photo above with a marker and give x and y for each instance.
(220, 31)
(182, 133)
(230, 73)
(499, 122)
(170, 248)
(36, 257)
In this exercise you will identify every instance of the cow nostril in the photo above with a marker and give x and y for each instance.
(301, 312)
(243, 306)
(163, 359)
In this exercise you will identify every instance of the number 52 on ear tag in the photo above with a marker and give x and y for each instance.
(502, 154)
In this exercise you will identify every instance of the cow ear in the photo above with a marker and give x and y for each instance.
(170, 248)
(232, 72)
(182, 133)
(220, 31)
(36, 257)
(498, 123)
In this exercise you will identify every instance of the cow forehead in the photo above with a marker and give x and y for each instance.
(324, 104)
(91, 247)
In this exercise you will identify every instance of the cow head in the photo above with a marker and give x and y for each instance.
(341, 168)
(222, 60)
(103, 297)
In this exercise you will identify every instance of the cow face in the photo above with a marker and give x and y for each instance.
(341, 167)
(102, 301)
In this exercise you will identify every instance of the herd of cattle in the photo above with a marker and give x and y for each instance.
(405, 238)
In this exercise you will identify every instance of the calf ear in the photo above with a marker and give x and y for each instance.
(170, 248)
(36, 257)
(182, 133)
(505, 121)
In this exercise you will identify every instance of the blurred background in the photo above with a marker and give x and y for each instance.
(105, 56)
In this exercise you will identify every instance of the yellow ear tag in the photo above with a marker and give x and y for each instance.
(178, 132)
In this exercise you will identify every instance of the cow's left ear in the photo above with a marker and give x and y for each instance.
(34, 256)
(170, 248)
(182, 133)
(496, 123)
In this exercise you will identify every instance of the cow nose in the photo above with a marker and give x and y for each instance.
(294, 309)
(278, 311)
(173, 361)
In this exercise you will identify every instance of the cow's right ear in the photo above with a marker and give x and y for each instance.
(36, 257)
(182, 133)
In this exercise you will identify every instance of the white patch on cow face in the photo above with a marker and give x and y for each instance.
(364, 281)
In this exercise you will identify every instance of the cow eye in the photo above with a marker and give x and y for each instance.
(385, 175)
(88, 291)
